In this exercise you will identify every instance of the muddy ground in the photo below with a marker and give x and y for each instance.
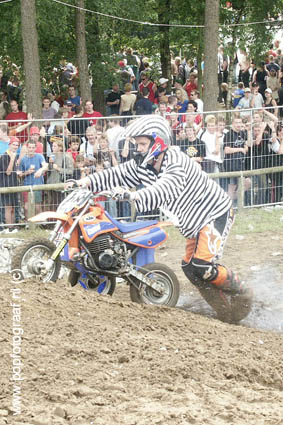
(88, 359)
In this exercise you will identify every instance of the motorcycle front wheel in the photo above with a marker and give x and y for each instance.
(29, 258)
(164, 276)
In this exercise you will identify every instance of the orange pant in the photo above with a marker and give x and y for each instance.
(206, 248)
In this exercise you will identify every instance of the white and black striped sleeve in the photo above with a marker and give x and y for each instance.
(164, 190)
(121, 175)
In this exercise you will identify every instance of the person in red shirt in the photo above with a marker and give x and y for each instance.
(74, 147)
(145, 82)
(16, 118)
(90, 113)
(191, 84)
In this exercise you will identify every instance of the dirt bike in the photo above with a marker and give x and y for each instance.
(98, 249)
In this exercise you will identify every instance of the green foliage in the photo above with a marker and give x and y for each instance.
(106, 36)
(255, 38)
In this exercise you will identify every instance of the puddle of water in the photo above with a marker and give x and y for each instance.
(267, 309)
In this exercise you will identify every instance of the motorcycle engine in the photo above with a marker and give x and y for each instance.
(107, 252)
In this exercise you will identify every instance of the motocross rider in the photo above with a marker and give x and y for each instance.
(196, 204)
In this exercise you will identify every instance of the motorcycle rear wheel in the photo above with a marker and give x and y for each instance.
(165, 276)
(27, 258)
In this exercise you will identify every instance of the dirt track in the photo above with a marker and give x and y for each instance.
(89, 359)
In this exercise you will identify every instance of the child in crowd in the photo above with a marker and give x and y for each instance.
(172, 104)
(104, 154)
(238, 94)
(224, 92)
(80, 168)
(74, 147)
(32, 168)
(190, 144)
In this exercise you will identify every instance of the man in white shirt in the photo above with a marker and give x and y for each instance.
(195, 96)
(114, 134)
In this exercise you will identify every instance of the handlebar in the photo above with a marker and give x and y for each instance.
(107, 193)
(72, 184)
(69, 181)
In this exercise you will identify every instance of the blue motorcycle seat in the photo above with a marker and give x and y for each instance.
(131, 227)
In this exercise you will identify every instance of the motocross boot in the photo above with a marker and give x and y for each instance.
(218, 300)
(232, 300)
(233, 284)
(240, 296)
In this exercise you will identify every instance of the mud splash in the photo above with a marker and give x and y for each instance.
(267, 310)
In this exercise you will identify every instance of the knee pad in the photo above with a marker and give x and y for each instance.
(199, 271)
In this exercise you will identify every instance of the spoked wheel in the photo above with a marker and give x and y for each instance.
(166, 278)
(31, 257)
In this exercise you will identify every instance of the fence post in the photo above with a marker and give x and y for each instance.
(241, 191)
(31, 207)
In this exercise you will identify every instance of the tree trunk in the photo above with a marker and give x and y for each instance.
(165, 59)
(97, 66)
(31, 58)
(211, 31)
(85, 89)
(199, 60)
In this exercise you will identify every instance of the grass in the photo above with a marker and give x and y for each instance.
(257, 220)
(36, 233)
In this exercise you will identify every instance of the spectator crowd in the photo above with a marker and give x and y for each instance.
(73, 139)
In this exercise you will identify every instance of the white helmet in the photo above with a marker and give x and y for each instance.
(150, 125)
(157, 129)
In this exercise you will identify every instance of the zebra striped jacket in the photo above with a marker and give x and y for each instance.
(180, 189)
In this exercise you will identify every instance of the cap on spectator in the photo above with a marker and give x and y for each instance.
(13, 139)
(268, 91)
(179, 80)
(56, 139)
(69, 66)
(163, 80)
(121, 63)
(247, 90)
(34, 130)
(68, 103)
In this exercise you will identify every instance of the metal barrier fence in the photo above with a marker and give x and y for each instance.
(67, 147)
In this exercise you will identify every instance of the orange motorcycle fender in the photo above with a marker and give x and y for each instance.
(44, 216)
